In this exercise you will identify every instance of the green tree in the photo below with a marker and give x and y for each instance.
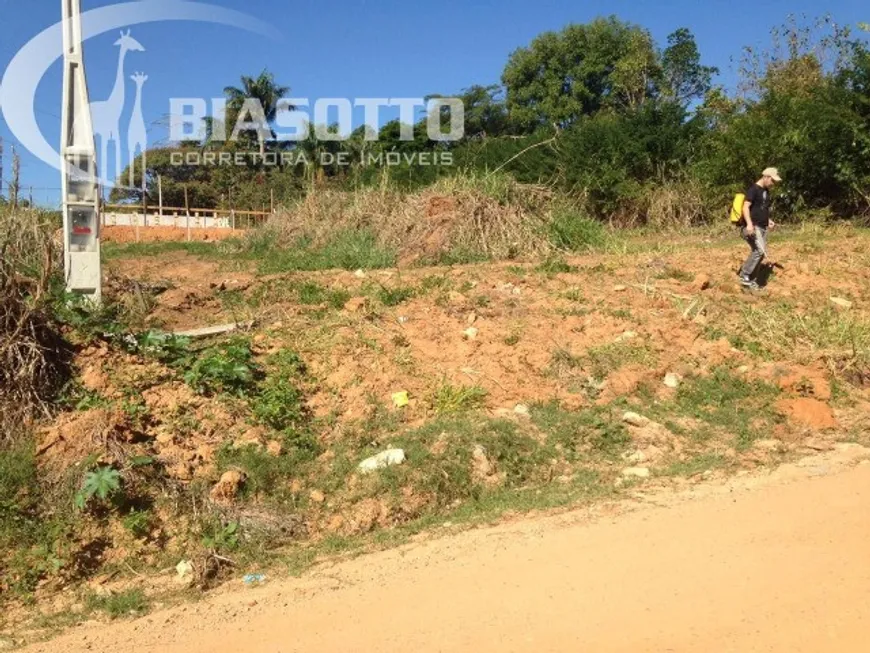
(577, 72)
(685, 79)
(267, 92)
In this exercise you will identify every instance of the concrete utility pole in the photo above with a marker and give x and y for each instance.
(81, 198)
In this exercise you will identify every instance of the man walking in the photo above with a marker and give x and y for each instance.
(755, 224)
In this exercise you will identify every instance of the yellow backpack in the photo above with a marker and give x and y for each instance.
(736, 212)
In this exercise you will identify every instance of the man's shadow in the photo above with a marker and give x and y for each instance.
(764, 272)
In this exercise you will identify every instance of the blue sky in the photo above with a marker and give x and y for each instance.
(364, 48)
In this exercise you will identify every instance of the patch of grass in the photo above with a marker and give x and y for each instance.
(555, 265)
(573, 295)
(842, 336)
(313, 294)
(435, 282)
(726, 401)
(675, 273)
(482, 301)
(622, 314)
(349, 250)
(602, 360)
(577, 433)
(575, 232)
(449, 398)
(128, 603)
(279, 403)
(512, 340)
(395, 296)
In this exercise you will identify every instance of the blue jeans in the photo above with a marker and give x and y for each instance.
(758, 245)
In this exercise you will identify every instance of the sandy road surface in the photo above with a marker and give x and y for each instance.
(779, 562)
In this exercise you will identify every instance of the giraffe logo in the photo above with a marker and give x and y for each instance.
(137, 134)
(23, 75)
(106, 115)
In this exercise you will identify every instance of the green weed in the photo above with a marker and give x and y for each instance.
(127, 603)
(449, 398)
(226, 368)
(395, 296)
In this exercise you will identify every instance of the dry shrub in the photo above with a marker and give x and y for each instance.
(674, 205)
(456, 218)
(33, 358)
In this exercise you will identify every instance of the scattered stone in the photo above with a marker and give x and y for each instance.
(355, 304)
(227, 488)
(701, 282)
(636, 472)
(482, 465)
(839, 302)
(471, 319)
(403, 319)
(470, 333)
(627, 335)
(384, 459)
(274, 448)
(401, 399)
(317, 496)
(620, 288)
(808, 412)
(183, 569)
(672, 380)
(359, 274)
(743, 369)
(522, 410)
(635, 420)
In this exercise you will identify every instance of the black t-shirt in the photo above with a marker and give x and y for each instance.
(760, 205)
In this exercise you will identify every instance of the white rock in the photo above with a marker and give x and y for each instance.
(470, 333)
(620, 288)
(183, 569)
(636, 472)
(634, 419)
(384, 459)
(628, 335)
(634, 457)
(672, 380)
(521, 409)
(359, 274)
(842, 303)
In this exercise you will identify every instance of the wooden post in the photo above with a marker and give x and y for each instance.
(187, 211)
(272, 196)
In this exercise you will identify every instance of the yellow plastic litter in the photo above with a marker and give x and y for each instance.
(400, 399)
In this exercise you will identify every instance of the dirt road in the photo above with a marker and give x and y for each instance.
(777, 562)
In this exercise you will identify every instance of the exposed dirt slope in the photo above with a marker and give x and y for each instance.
(774, 562)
